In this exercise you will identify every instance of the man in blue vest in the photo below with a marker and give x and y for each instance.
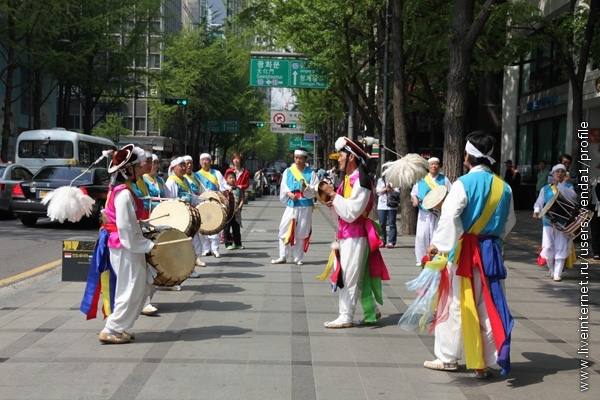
(297, 191)
(472, 316)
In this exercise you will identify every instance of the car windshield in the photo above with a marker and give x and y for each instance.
(64, 174)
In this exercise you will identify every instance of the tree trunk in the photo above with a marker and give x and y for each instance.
(11, 65)
(408, 214)
(461, 39)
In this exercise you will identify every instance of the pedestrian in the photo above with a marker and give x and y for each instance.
(233, 237)
(511, 175)
(387, 210)
(127, 247)
(297, 192)
(477, 213)
(242, 176)
(427, 220)
(211, 180)
(542, 177)
(556, 246)
(359, 265)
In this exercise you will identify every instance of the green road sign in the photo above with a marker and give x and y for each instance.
(292, 73)
(297, 141)
(222, 125)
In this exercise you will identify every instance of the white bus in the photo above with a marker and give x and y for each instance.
(57, 146)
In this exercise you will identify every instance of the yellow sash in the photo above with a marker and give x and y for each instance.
(430, 182)
(142, 186)
(180, 181)
(297, 174)
(210, 177)
(468, 309)
(151, 178)
(192, 178)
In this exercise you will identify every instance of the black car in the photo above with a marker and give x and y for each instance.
(28, 195)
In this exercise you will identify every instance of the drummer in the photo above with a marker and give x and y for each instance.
(127, 246)
(139, 187)
(177, 187)
(427, 220)
(211, 179)
(556, 246)
(154, 183)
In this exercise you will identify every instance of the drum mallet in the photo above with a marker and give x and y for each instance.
(174, 241)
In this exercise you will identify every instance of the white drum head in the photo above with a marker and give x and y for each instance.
(434, 197)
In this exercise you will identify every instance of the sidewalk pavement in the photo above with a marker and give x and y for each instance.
(251, 330)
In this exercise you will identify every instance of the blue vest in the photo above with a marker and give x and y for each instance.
(478, 186)
(207, 184)
(296, 186)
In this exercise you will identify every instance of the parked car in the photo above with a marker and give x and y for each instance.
(28, 195)
(10, 175)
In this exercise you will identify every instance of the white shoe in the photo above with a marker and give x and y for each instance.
(206, 254)
(280, 260)
(175, 288)
(149, 310)
(216, 254)
(199, 262)
(194, 274)
(298, 261)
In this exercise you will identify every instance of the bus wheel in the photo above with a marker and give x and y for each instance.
(28, 220)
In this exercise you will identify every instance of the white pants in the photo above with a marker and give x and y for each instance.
(303, 218)
(197, 240)
(449, 347)
(426, 225)
(131, 291)
(211, 242)
(352, 252)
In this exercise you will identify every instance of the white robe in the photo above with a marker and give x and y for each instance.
(352, 251)
(129, 263)
(302, 216)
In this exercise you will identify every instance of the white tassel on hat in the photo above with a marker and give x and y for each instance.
(406, 171)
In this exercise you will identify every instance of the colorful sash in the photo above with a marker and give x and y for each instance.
(194, 184)
(209, 180)
(484, 253)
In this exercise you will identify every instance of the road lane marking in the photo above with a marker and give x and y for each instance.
(30, 273)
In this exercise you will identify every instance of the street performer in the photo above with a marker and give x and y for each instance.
(359, 265)
(472, 311)
(122, 235)
(297, 191)
(427, 221)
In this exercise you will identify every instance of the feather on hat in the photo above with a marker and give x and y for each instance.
(406, 171)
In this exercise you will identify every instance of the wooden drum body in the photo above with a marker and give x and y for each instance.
(565, 215)
(173, 262)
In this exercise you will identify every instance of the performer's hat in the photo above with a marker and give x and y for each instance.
(433, 159)
(559, 166)
(352, 147)
(123, 158)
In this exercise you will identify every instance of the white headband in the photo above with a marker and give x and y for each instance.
(154, 157)
(177, 161)
(205, 155)
(299, 152)
(188, 158)
(559, 166)
(433, 159)
(469, 148)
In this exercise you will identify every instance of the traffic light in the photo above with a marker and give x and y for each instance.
(257, 124)
(288, 126)
(175, 102)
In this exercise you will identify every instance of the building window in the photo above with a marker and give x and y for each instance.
(540, 71)
(540, 140)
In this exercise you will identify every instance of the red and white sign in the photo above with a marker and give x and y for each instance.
(279, 118)
(286, 117)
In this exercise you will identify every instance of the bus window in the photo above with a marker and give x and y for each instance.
(84, 153)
